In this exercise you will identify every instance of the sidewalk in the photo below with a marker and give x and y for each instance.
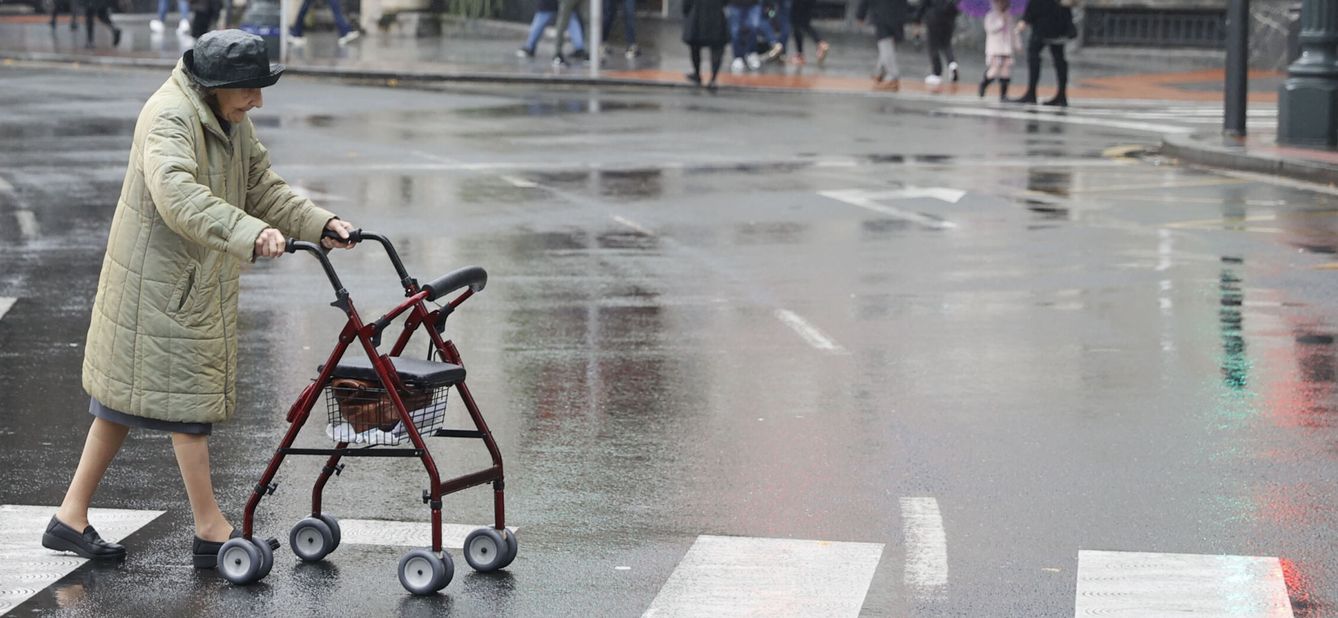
(484, 51)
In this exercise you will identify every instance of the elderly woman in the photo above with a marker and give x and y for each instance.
(199, 200)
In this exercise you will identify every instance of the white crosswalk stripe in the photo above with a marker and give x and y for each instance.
(743, 576)
(1121, 583)
(29, 567)
(5, 305)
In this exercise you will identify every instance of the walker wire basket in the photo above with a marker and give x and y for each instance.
(361, 412)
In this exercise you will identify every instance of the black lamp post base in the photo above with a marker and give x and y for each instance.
(1308, 112)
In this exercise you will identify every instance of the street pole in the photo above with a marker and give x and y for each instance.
(1237, 67)
(595, 40)
(1308, 100)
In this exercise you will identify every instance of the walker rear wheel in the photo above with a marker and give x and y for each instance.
(485, 549)
(334, 528)
(423, 572)
(512, 546)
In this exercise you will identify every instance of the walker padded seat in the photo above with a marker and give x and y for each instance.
(412, 372)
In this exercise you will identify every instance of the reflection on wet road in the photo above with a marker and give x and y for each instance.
(974, 342)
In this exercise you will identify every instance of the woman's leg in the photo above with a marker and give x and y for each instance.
(88, 22)
(100, 447)
(695, 53)
(162, 9)
(717, 57)
(193, 458)
(541, 21)
(799, 22)
(1034, 46)
(629, 21)
(340, 23)
(1061, 72)
(301, 20)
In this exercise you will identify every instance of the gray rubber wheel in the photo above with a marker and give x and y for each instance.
(512, 547)
(423, 572)
(266, 557)
(311, 539)
(485, 549)
(239, 561)
(334, 528)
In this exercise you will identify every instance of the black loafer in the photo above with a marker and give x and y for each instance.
(88, 544)
(205, 553)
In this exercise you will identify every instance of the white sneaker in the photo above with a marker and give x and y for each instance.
(736, 66)
(933, 80)
(297, 41)
(183, 26)
(349, 38)
(952, 69)
(754, 62)
(776, 50)
(156, 25)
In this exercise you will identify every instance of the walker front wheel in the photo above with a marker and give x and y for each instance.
(266, 557)
(512, 547)
(311, 539)
(423, 572)
(239, 561)
(334, 528)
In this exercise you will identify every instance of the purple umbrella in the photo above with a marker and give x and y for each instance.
(978, 8)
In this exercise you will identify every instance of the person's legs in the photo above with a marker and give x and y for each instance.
(783, 10)
(734, 18)
(717, 56)
(610, 13)
(629, 21)
(183, 7)
(1034, 46)
(88, 23)
(576, 31)
(541, 21)
(695, 53)
(934, 47)
(1061, 74)
(799, 23)
(162, 9)
(340, 22)
(886, 51)
(192, 452)
(565, 8)
(301, 19)
(100, 447)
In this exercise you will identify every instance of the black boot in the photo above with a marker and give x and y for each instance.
(1029, 97)
(984, 83)
(1060, 100)
(1003, 89)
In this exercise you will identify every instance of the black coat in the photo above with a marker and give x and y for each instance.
(887, 16)
(1049, 20)
(939, 16)
(704, 23)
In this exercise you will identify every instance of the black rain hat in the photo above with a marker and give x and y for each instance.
(231, 59)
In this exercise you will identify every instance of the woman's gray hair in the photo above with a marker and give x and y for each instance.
(199, 89)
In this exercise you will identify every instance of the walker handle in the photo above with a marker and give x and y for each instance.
(295, 245)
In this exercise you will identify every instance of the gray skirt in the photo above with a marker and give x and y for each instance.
(96, 408)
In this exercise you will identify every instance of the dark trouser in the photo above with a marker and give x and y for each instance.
(1034, 46)
(801, 18)
(629, 19)
(103, 14)
(203, 18)
(940, 43)
(717, 56)
(565, 9)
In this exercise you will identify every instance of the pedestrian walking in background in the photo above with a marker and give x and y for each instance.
(566, 10)
(747, 27)
(204, 13)
(74, 15)
(346, 32)
(629, 25)
(801, 19)
(101, 9)
(1001, 40)
(183, 7)
(1051, 23)
(704, 26)
(199, 201)
(544, 14)
(939, 19)
(889, 21)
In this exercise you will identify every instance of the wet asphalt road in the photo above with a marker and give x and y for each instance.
(1082, 352)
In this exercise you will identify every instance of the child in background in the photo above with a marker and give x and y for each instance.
(1001, 39)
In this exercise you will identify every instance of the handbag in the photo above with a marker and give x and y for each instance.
(366, 405)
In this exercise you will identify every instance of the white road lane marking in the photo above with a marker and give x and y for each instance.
(517, 181)
(403, 533)
(743, 576)
(868, 201)
(27, 221)
(1152, 584)
(926, 572)
(28, 567)
(5, 305)
(811, 334)
(633, 224)
(1065, 119)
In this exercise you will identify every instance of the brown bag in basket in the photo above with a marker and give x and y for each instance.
(365, 405)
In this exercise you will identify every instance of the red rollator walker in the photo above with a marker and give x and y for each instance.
(376, 401)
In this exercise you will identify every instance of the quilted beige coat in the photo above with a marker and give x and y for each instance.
(163, 338)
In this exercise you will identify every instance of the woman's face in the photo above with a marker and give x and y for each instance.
(233, 103)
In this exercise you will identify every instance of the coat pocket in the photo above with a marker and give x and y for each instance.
(183, 291)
